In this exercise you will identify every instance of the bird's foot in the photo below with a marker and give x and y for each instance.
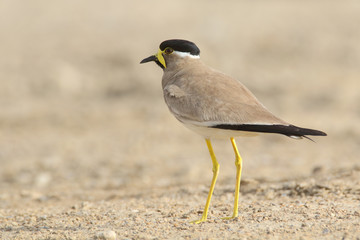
(229, 218)
(203, 219)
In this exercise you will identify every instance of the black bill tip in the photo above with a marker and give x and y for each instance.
(152, 58)
(149, 59)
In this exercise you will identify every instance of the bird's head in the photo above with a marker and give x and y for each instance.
(173, 50)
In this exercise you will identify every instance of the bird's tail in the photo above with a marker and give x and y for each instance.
(288, 130)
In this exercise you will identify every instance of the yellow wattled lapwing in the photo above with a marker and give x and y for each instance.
(214, 105)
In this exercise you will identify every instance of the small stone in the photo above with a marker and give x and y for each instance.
(8, 228)
(43, 179)
(42, 218)
(317, 170)
(106, 235)
(85, 205)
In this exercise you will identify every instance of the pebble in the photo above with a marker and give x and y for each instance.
(106, 235)
(43, 179)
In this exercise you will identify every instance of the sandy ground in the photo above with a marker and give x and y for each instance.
(88, 149)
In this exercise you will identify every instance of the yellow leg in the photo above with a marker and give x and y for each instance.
(238, 164)
(215, 170)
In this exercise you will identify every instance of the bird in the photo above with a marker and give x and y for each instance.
(215, 105)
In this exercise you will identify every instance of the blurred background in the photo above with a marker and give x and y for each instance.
(78, 111)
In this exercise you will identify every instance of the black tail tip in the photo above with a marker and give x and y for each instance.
(316, 133)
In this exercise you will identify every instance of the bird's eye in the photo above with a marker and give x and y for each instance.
(168, 50)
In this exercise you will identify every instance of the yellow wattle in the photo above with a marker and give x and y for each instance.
(160, 57)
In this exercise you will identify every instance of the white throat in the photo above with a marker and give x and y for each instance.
(186, 54)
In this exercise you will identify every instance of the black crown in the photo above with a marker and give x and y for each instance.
(181, 46)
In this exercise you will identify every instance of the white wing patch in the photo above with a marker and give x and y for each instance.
(214, 123)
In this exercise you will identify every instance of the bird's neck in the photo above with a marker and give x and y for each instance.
(179, 69)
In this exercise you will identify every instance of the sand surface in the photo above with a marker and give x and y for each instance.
(89, 150)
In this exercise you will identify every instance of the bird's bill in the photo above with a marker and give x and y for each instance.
(149, 59)
(157, 58)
